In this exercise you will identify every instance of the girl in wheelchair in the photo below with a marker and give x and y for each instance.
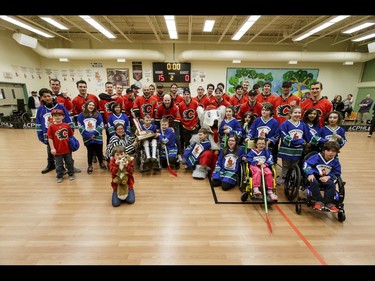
(321, 171)
(261, 157)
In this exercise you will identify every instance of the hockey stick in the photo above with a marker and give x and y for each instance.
(265, 201)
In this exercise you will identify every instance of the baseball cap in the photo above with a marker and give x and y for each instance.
(129, 90)
(133, 86)
(57, 111)
(286, 84)
(253, 93)
(186, 89)
(159, 86)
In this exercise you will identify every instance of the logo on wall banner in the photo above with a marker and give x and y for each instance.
(137, 70)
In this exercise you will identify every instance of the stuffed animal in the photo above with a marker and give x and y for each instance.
(210, 118)
(121, 177)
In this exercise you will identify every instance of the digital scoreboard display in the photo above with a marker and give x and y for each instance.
(172, 72)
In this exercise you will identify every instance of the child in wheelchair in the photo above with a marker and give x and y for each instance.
(321, 171)
(261, 157)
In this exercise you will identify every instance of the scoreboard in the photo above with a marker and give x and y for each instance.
(172, 72)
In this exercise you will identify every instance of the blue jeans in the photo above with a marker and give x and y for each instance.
(117, 201)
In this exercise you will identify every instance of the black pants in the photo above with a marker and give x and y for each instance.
(372, 125)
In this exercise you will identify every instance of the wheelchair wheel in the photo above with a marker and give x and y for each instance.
(244, 196)
(341, 216)
(26, 117)
(292, 182)
(298, 208)
(341, 188)
(242, 182)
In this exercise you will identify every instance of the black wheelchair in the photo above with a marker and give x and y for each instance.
(245, 183)
(142, 161)
(296, 187)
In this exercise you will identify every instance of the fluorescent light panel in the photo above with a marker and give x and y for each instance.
(63, 59)
(236, 61)
(99, 27)
(320, 27)
(208, 25)
(26, 26)
(364, 37)
(121, 60)
(245, 27)
(359, 27)
(348, 63)
(292, 62)
(54, 22)
(171, 25)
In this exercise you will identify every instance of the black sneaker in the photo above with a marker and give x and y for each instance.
(48, 169)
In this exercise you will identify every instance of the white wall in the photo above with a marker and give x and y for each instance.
(336, 78)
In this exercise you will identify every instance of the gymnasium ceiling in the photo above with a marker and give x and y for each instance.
(270, 30)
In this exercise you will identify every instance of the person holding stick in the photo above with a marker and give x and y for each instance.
(167, 138)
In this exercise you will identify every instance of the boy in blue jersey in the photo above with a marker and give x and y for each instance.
(321, 170)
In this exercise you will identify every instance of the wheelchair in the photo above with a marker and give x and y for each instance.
(296, 186)
(245, 183)
(143, 164)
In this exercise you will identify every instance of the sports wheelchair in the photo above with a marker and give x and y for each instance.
(296, 186)
(143, 164)
(245, 183)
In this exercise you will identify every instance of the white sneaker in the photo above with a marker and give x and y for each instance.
(369, 135)
(59, 180)
(272, 195)
(256, 191)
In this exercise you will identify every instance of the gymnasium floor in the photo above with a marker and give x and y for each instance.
(175, 220)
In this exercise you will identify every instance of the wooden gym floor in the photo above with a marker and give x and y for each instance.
(175, 220)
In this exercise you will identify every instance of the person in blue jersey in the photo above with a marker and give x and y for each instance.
(261, 157)
(90, 125)
(169, 146)
(44, 119)
(321, 170)
(196, 148)
(226, 171)
(332, 130)
(266, 126)
(229, 126)
(118, 116)
(294, 135)
(311, 118)
(148, 127)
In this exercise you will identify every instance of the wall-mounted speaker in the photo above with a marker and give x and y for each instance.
(25, 40)
(371, 47)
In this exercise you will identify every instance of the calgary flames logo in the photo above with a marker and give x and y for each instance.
(62, 134)
(283, 110)
(189, 114)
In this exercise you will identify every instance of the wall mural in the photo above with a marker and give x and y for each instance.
(301, 79)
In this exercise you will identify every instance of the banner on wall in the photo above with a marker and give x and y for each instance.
(301, 79)
(137, 70)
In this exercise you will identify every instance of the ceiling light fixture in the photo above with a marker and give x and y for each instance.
(121, 60)
(320, 27)
(26, 26)
(25, 40)
(359, 27)
(364, 37)
(236, 61)
(292, 62)
(54, 22)
(171, 25)
(98, 26)
(208, 25)
(245, 27)
(348, 63)
(63, 59)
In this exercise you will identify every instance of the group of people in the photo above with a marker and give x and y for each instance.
(250, 116)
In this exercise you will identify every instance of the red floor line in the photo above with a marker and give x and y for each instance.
(311, 248)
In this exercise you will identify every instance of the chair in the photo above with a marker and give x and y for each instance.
(351, 118)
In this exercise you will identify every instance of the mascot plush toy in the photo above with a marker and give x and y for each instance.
(210, 119)
(122, 174)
